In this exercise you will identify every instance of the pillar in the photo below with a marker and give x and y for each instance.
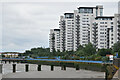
(77, 67)
(0, 68)
(64, 67)
(26, 67)
(39, 67)
(52, 67)
(14, 68)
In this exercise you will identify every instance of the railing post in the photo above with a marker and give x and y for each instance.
(39, 67)
(52, 67)
(0, 68)
(14, 68)
(26, 67)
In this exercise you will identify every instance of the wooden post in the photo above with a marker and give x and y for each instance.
(52, 67)
(14, 68)
(64, 67)
(26, 67)
(9, 62)
(5, 62)
(77, 67)
(0, 68)
(39, 67)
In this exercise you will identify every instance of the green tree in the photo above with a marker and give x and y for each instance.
(116, 47)
(104, 52)
(119, 53)
(89, 49)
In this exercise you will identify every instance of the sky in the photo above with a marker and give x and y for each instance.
(26, 24)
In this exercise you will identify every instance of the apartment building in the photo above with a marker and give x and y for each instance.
(102, 32)
(83, 18)
(54, 40)
(86, 24)
(119, 7)
(66, 32)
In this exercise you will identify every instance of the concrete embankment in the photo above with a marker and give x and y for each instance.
(47, 73)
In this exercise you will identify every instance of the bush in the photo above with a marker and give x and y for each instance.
(104, 52)
(105, 59)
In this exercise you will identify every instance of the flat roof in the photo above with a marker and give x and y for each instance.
(87, 7)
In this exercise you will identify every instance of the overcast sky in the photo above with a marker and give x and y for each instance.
(27, 24)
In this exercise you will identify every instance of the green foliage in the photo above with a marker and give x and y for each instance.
(105, 59)
(119, 53)
(116, 47)
(35, 52)
(104, 52)
(86, 51)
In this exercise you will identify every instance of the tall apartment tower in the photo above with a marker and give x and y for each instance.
(116, 28)
(102, 32)
(105, 31)
(83, 19)
(66, 32)
(119, 7)
(54, 40)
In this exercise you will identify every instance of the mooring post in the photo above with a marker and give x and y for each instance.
(1, 68)
(14, 68)
(5, 62)
(77, 67)
(13, 61)
(64, 67)
(26, 67)
(9, 62)
(39, 67)
(52, 67)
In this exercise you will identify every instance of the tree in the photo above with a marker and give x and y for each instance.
(89, 49)
(104, 52)
(116, 47)
(119, 53)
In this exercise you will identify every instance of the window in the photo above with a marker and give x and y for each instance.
(101, 22)
(85, 10)
(101, 32)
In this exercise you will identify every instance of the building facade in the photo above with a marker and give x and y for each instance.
(66, 32)
(54, 40)
(83, 18)
(87, 24)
